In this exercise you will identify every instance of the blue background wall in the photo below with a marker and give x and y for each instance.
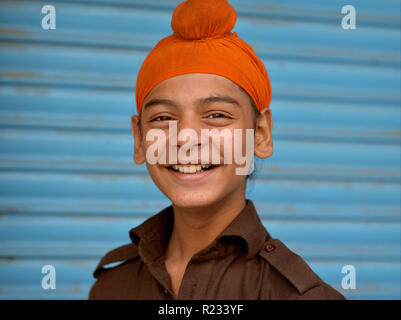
(69, 190)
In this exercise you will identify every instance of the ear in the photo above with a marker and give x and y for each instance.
(263, 134)
(139, 153)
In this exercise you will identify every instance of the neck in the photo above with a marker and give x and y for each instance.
(195, 228)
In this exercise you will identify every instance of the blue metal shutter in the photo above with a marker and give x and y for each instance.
(69, 190)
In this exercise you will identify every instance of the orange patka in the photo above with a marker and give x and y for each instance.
(203, 42)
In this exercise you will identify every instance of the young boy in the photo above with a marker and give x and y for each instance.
(210, 243)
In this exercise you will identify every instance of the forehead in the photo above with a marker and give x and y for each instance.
(195, 85)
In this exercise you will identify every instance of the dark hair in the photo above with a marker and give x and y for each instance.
(256, 112)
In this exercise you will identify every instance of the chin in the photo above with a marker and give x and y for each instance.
(193, 199)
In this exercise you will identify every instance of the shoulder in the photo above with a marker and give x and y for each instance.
(111, 272)
(288, 276)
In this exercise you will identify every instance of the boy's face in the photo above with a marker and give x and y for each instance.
(198, 101)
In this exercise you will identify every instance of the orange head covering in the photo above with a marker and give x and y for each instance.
(202, 42)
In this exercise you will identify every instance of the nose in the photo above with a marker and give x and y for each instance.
(189, 129)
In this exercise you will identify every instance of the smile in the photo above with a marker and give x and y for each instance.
(191, 169)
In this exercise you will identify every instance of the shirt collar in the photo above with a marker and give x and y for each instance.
(248, 226)
(152, 236)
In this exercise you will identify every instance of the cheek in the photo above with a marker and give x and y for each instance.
(248, 141)
(242, 144)
(155, 146)
(235, 145)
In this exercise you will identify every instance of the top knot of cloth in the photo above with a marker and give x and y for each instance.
(203, 42)
(194, 19)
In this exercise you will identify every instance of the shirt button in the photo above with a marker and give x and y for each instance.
(269, 247)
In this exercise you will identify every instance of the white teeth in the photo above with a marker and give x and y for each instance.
(189, 168)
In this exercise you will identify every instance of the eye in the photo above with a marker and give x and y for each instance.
(161, 118)
(217, 115)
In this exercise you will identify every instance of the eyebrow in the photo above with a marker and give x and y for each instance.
(217, 98)
(199, 102)
(155, 102)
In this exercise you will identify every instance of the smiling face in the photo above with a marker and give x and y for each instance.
(199, 101)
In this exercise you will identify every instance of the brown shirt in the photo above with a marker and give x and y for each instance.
(243, 262)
